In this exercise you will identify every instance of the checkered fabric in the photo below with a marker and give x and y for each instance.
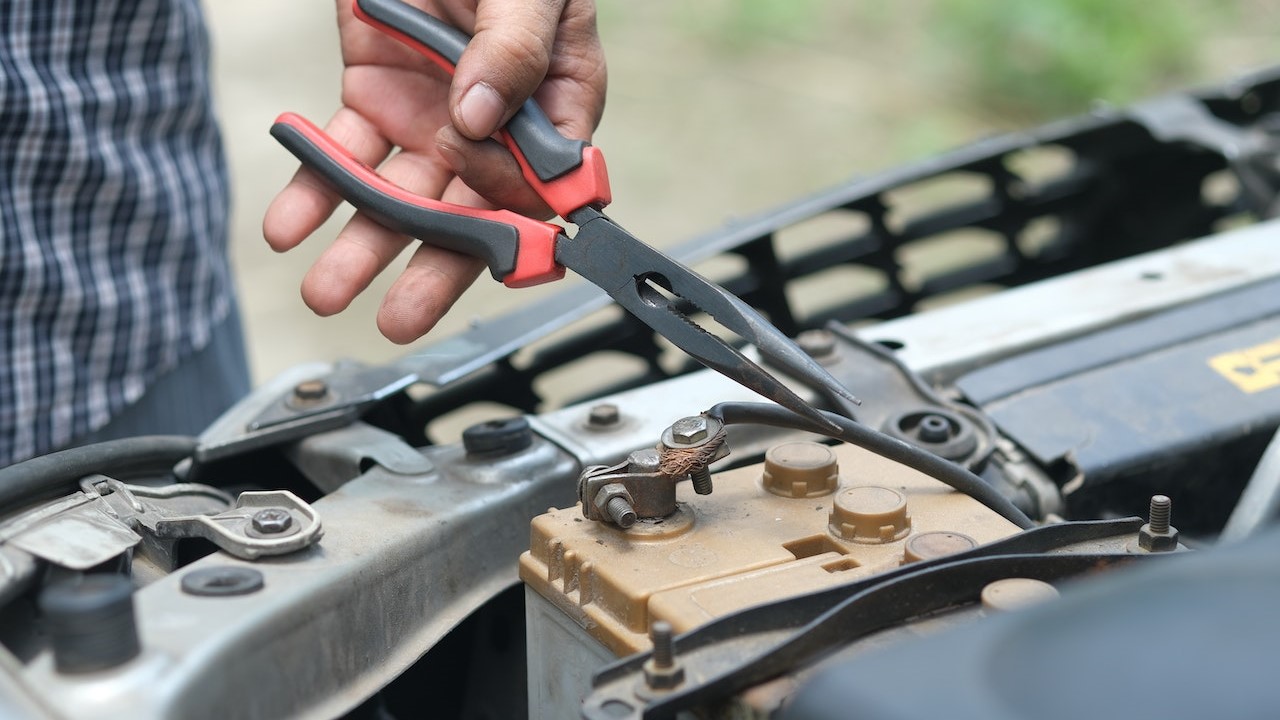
(113, 210)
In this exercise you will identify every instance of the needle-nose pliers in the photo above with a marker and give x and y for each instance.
(570, 176)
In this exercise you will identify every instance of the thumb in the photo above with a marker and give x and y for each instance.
(504, 63)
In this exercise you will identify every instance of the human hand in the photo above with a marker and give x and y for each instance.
(392, 97)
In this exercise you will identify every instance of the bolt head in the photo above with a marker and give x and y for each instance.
(603, 415)
(311, 390)
(648, 460)
(689, 430)
(662, 678)
(271, 521)
(1157, 542)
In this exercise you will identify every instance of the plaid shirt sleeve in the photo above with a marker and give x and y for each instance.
(113, 210)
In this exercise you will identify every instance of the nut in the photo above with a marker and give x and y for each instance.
(621, 514)
(689, 430)
(311, 390)
(1157, 542)
(662, 678)
(604, 415)
(272, 521)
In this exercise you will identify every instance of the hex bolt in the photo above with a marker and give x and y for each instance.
(695, 432)
(311, 390)
(272, 521)
(620, 512)
(661, 671)
(604, 415)
(701, 480)
(663, 654)
(689, 430)
(1161, 508)
(1157, 535)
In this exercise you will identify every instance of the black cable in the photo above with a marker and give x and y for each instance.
(732, 413)
(44, 476)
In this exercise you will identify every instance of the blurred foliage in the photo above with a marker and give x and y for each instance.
(737, 25)
(1029, 59)
(1048, 57)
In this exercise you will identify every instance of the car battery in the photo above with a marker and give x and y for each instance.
(811, 516)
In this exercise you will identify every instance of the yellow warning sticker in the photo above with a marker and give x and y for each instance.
(1253, 369)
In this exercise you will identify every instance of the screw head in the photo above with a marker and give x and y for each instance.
(311, 390)
(648, 460)
(272, 521)
(603, 415)
(689, 430)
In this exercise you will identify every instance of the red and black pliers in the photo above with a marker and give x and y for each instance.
(570, 176)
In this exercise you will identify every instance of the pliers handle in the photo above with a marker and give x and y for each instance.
(567, 174)
(519, 251)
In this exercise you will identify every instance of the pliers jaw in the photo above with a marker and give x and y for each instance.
(658, 291)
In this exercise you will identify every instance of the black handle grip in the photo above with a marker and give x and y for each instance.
(549, 154)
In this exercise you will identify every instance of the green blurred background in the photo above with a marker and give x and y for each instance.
(724, 108)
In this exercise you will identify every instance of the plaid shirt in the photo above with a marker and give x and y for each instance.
(113, 210)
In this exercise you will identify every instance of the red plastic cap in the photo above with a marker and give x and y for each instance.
(588, 184)
(536, 256)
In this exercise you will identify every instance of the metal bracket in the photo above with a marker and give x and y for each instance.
(901, 404)
(233, 530)
(637, 480)
(332, 458)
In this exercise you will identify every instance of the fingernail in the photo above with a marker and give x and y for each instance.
(452, 156)
(480, 111)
